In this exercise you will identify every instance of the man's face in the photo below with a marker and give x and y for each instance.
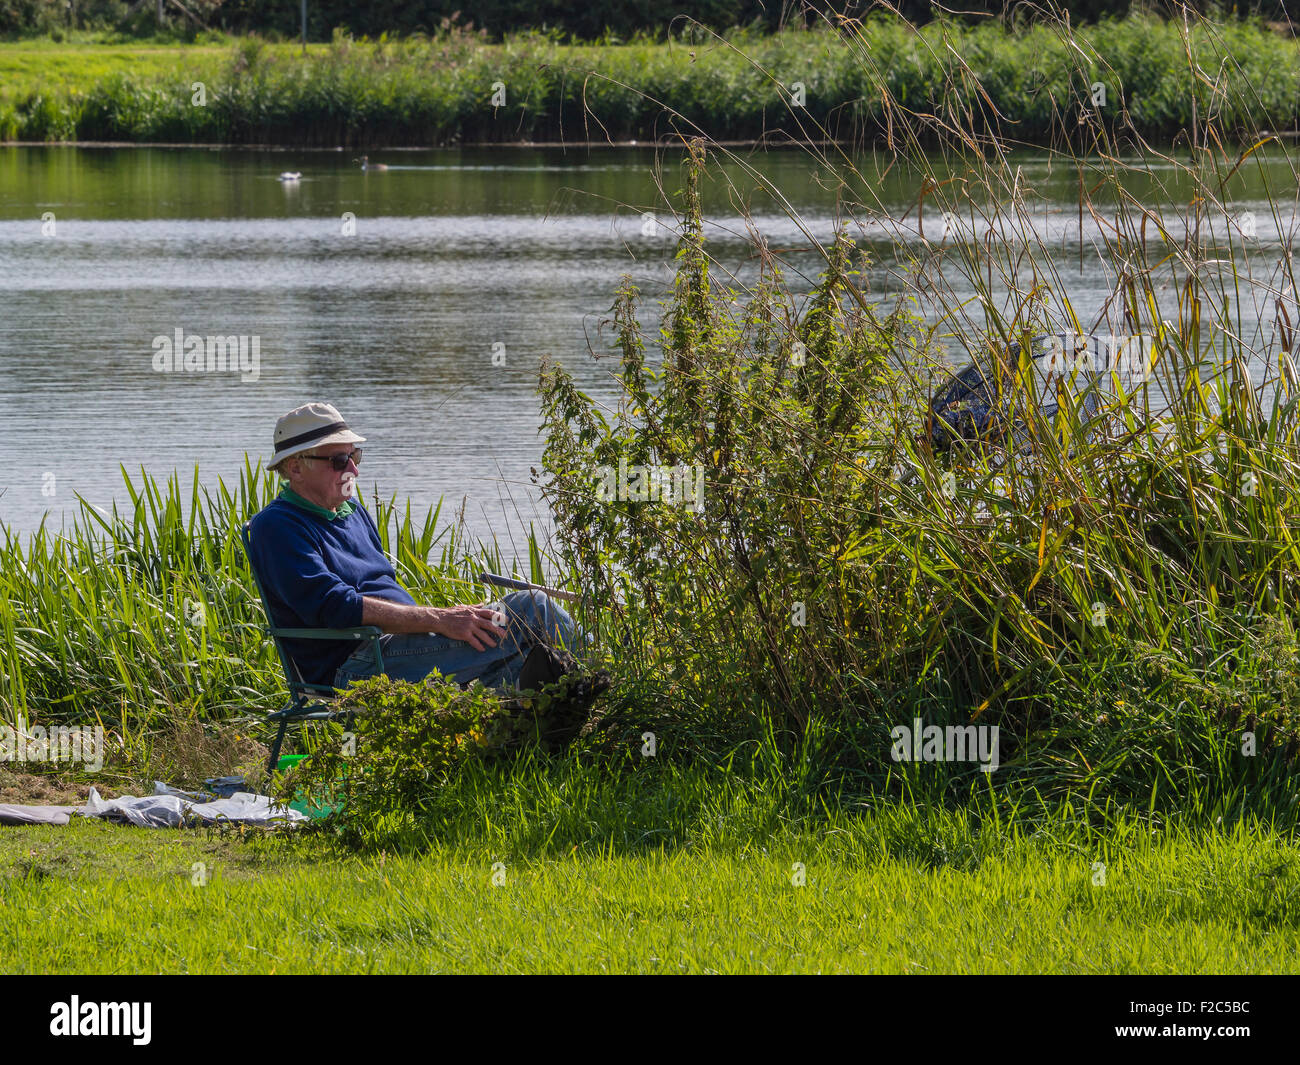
(316, 480)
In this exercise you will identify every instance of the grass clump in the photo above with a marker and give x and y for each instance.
(399, 743)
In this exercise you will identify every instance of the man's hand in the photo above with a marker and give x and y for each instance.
(479, 626)
(476, 625)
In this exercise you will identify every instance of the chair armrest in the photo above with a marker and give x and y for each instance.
(361, 632)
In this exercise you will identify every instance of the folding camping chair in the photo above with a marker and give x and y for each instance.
(307, 702)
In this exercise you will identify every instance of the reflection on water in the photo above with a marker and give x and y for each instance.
(419, 300)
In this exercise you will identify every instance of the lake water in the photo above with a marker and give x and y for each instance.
(424, 322)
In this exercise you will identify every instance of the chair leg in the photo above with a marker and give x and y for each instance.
(275, 748)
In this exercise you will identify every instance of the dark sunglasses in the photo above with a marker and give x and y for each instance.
(338, 463)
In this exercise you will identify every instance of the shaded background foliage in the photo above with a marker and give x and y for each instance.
(574, 19)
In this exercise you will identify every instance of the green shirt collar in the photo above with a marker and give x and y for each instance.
(290, 496)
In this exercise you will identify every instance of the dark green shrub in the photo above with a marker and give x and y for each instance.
(773, 411)
(402, 742)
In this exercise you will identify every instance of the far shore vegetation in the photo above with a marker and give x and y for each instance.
(855, 81)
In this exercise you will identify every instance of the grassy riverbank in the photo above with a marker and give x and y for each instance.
(441, 91)
(544, 870)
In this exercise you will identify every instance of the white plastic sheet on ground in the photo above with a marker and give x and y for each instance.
(167, 807)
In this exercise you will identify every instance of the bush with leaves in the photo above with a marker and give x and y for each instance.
(382, 764)
(755, 597)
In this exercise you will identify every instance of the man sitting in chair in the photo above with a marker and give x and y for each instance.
(316, 549)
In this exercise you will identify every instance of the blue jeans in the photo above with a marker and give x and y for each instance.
(531, 618)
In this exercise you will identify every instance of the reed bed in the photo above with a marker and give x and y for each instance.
(439, 90)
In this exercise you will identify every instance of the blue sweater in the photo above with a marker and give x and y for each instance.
(314, 572)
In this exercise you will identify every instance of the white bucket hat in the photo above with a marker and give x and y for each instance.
(307, 427)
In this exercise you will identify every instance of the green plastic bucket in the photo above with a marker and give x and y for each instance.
(302, 803)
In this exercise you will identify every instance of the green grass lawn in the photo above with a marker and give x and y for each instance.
(42, 65)
(889, 892)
